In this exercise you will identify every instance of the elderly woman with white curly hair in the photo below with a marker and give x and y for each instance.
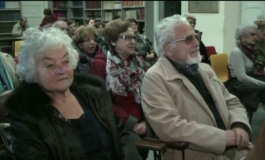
(247, 71)
(55, 114)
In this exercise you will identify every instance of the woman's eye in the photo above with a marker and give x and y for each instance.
(49, 65)
(66, 61)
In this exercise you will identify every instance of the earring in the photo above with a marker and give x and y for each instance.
(112, 43)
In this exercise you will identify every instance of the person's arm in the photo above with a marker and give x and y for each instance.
(26, 144)
(163, 114)
(238, 64)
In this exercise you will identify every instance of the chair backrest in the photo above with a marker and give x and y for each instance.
(219, 63)
(210, 50)
(17, 47)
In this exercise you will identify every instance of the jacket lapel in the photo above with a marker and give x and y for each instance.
(171, 74)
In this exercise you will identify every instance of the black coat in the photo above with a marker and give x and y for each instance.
(41, 133)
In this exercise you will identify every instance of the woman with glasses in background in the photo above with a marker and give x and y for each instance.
(85, 41)
(123, 69)
(143, 44)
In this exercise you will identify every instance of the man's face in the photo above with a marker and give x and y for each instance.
(185, 47)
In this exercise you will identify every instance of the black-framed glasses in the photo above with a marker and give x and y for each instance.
(188, 39)
(127, 37)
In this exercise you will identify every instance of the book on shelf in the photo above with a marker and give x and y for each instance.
(93, 4)
(59, 4)
(127, 3)
(77, 3)
(6, 27)
(59, 15)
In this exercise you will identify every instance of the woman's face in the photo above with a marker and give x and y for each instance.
(251, 37)
(54, 72)
(125, 44)
(134, 27)
(89, 44)
(72, 29)
(100, 28)
(91, 22)
(261, 34)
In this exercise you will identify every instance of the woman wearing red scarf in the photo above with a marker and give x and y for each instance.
(123, 69)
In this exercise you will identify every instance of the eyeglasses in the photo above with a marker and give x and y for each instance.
(188, 39)
(128, 37)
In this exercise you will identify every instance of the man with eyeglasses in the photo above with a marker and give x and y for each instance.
(183, 100)
(203, 50)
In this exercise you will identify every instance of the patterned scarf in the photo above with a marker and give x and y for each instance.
(255, 55)
(124, 76)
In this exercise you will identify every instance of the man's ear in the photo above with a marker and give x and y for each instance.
(167, 49)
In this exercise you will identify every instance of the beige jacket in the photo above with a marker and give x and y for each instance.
(177, 112)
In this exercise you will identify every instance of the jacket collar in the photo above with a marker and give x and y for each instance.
(172, 74)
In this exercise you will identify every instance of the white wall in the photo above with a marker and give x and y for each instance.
(33, 10)
(232, 16)
(211, 24)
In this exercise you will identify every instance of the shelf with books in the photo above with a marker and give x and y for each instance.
(59, 8)
(10, 14)
(102, 10)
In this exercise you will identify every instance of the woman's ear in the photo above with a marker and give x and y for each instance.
(112, 43)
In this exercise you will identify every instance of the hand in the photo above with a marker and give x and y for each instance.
(150, 56)
(241, 137)
(230, 138)
(140, 128)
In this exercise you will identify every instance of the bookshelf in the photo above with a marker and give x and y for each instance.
(10, 14)
(104, 11)
(59, 8)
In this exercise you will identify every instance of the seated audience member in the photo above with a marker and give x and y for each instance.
(91, 22)
(20, 27)
(8, 78)
(48, 19)
(143, 44)
(183, 100)
(100, 27)
(71, 27)
(85, 41)
(58, 115)
(203, 51)
(261, 34)
(260, 42)
(62, 25)
(247, 71)
(123, 71)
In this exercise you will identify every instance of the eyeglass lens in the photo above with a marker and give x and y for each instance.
(128, 37)
(189, 39)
